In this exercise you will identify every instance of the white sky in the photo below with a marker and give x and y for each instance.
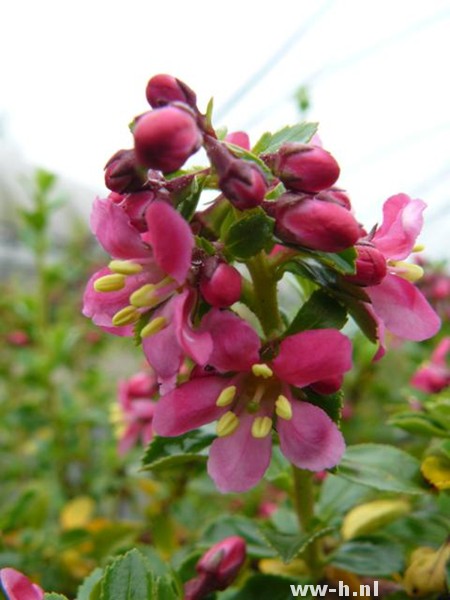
(73, 75)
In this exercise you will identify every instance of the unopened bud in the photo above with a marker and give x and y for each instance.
(312, 223)
(122, 173)
(335, 195)
(165, 138)
(223, 287)
(224, 561)
(243, 184)
(165, 89)
(370, 266)
(239, 138)
(304, 167)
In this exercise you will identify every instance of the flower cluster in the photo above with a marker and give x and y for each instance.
(203, 288)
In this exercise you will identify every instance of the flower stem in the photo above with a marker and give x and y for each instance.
(303, 500)
(265, 303)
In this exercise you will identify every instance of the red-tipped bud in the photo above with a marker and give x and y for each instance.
(314, 224)
(335, 195)
(244, 184)
(223, 561)
(122, 173)
(165, 89)
(223, 287)
(165, 138)
(370, 266)
(304, 167)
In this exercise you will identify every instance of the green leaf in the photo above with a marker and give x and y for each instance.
(249, 235)
(266, 587)
(128, 578)
(189, 197)
(337, 496)
(54, 596)
(163, 453)
(244, 527)
(44, 180)
(247, 155)
(331, 403)
(376, 556)
(363, 318)
(419, 423)
(383, 468)
(271, 142)
(168, 589)
(320, 311)
(342, 262)
(85, 589)
(287, 545)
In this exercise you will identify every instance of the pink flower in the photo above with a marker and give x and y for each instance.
(396, 302)
(19, 587)
(248, 397)
(137, 405)
(434, 376)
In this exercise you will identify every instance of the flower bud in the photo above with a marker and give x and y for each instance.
(165, 89)
(303, 220)
(223, 287)
(165, 138)
(122, 172)
(244, 184)
(19, 587)
(335, 195)
(304, 167)
(370, 266)
(239, 138)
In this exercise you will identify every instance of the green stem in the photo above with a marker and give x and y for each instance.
(303, 500)
(265, 295)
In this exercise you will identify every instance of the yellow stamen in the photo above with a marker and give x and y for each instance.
(126, 316)
(408, 271)
(283, 408)
(227, 424)
(418, 248)
(226, 396)
(262, 370)
(261, 427)
(125, 267)
(144, 296)
(109, 283)
(154, 326)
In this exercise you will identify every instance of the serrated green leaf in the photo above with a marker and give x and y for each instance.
(168, 589)
(288, 546)
(54, 596)
(320, 311)
(383, 468)
(163, 453)
(249, 235)
(128, 578)
(244, 527)
(419, 423)
(86, 588)
(271, 142)
(337, 496)
(266, 587)
(376, 556)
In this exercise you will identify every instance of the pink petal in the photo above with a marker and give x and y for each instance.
(170, 238)
(129, 438)
(19, 587)
(311, 356)
(402, 223)
(189, 406)
(404, 309)
(235, 343)
(310, 440)
(112, 227)
(238, 462)
(197, 344)
(442, 350)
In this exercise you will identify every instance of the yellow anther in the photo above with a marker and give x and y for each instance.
(125, 267)
(261, 427)
(144, 296)
(419, 248)
(109, 283)
(227, 424)
(226, 396)
(283, 408)
(262, 370)
(126, 316)
(154, 326)
(408, 271)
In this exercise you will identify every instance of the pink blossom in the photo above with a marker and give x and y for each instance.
(19, 587)
(248, 396)
(434, 376)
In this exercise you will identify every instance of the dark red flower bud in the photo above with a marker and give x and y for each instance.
(370, 265)
(165, 89)
(223, 287)
(122, 173)
(303, 167)
(165, 138)
(244, 184)
(335, 195)
(309, 222)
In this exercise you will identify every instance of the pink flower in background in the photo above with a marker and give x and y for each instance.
(136, 406)
(247, 397)
(434, 376)
(18, 587)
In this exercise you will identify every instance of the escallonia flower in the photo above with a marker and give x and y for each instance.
(249, 398)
